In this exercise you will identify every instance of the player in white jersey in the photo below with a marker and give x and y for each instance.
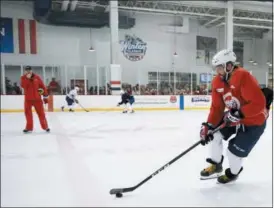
(71, 99)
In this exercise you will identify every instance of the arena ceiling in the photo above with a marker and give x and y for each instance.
(251, 18)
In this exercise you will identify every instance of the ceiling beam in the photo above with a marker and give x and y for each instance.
(251, 6)
(177, 9)
(213, 21)
(220, 24)
(218, 17)
(162, 11)
(254, 19)
(253, 26)
(237, 18)
(247, 26)
(212, 4)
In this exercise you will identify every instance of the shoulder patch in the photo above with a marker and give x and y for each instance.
(220, 90)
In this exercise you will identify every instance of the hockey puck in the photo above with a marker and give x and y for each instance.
(119, 195)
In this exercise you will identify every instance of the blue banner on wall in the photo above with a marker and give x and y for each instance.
(6, 35)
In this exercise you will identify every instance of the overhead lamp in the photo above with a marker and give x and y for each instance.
(251, 60)
(255, 63)
(175, 54)
(91, 49)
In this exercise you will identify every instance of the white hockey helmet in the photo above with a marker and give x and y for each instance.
(223, 57)
(77, 88)
(122, 92)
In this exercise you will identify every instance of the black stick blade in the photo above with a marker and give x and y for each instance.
(115, 191)
(122, 190)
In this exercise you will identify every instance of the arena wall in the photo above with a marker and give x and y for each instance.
(10, 103)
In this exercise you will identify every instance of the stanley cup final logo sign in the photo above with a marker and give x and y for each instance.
(133, 48)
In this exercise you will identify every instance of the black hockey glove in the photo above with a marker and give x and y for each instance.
(206, 133)
(268, 93)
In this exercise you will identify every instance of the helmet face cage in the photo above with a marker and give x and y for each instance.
(232, 66)
(223, 59)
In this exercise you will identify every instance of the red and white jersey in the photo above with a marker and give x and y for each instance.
(242, 92)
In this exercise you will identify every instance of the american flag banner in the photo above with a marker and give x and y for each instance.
(18, 36)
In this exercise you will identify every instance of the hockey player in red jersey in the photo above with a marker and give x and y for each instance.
(236, 90)
(33, 89)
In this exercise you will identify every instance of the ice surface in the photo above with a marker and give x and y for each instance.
(87, 154)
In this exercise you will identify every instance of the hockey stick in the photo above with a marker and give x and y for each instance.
(82, 107)
(119, 191)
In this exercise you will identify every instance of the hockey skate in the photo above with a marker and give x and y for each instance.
(71, 110)
(213, 171)
(62, 108)
(27, 131)
(125, 111)
(228, 176)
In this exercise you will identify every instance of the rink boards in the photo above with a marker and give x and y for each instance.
(15, 103)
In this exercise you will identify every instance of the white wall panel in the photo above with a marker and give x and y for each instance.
(69, 46)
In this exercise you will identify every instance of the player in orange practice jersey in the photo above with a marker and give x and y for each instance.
(236, 90)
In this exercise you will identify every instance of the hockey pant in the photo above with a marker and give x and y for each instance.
(131, 100)
(39, 108)
(70, 102)
(127, 106)
(243, 139)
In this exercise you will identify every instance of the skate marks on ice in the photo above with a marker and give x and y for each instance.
(108, 129)
(45, 170)
(76, 129)
(240, 193)
(81, 179)
(34, 135)
(115, 123)
(90, 168)
(95, 131)
(180, 186)
(224, 196)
